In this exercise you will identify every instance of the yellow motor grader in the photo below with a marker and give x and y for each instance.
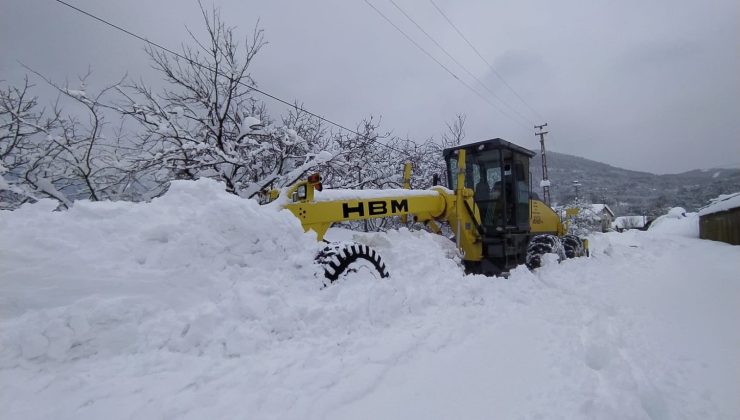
(498, 223)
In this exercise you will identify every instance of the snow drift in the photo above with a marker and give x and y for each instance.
(204, 305)
(677, 222)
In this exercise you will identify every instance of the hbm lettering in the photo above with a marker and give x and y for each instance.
(375, 208)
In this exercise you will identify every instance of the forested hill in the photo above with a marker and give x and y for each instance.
(632, 192)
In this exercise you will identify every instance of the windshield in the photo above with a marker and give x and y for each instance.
(500, 181)
(487, 163)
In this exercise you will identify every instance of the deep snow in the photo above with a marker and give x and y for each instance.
(204, 305)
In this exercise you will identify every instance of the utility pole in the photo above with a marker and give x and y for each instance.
(545, 184)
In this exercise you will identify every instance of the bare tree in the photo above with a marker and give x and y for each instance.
(207, 123)
(21, 124)
(434, 162)
(62, 155)
(362, 161)
(455, 133)
(81, 158)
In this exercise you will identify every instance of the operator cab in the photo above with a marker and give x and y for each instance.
(498, 173)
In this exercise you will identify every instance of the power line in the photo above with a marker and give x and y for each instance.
(428, 54)
(470, 44)
(203, 66)
(444, 50)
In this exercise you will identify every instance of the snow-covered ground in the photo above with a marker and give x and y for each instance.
(201, 305)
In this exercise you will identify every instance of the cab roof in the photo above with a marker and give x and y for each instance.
(491, 144)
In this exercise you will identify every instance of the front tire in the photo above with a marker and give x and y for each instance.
(338, 259)
(573, 246)
(540, 245)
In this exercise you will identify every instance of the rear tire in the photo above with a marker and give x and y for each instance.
(573, 246)
(540, 245)
(338, 259)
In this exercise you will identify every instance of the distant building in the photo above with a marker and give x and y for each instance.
(720, 220)
(623, 223)
(595, 217)
(605, 215)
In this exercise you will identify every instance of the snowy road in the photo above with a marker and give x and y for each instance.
(201, 305)
(649, 332)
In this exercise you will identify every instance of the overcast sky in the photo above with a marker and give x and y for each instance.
(649, 85)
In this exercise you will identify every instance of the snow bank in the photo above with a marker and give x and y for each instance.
(677, 222)
(119, 277)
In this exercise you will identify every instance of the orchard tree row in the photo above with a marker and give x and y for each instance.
(127, 141)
